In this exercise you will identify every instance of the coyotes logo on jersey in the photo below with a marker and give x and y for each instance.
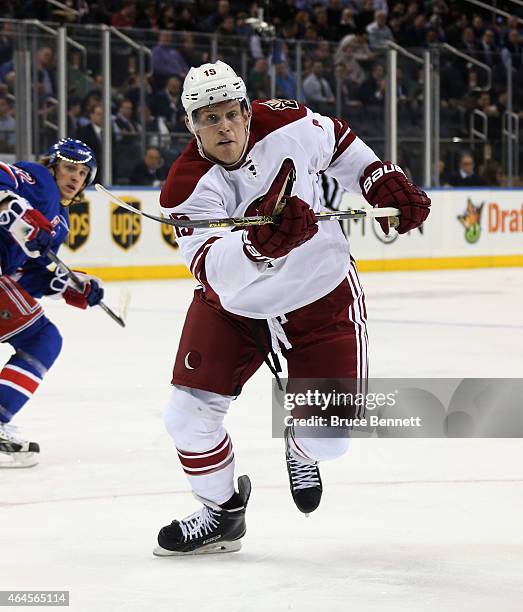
(277, 104)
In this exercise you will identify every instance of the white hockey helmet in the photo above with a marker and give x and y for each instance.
(210, 84)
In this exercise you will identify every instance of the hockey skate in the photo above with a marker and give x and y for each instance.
(304, 479)
(15, 452)
(213, 529)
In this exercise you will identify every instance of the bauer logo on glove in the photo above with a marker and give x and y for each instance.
(384, 184)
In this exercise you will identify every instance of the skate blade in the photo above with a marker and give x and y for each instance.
(210, 549)
(18, 460)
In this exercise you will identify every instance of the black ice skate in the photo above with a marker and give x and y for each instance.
(304, 478)
(15, 452)
(213, 529)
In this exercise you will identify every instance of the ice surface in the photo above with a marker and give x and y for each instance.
(404, 524)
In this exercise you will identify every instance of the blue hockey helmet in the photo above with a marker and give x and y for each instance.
(76, 152)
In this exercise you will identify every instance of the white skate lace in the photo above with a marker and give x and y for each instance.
(199, 523)
(304, 475)
(10, 433)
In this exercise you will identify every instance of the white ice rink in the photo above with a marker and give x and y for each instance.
(410, 525)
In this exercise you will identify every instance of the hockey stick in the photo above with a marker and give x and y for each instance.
(79, 285)
(372, 213)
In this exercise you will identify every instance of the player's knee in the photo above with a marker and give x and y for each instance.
(324, 449)
(42, 347)
(51, 345)
(193, 422)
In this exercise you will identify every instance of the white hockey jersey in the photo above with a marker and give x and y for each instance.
(283, 133)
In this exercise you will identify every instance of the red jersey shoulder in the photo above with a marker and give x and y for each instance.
(183, 176)
(271, 115)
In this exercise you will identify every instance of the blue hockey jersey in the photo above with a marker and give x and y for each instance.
(36, 184)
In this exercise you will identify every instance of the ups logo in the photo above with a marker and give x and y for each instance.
(126, 227)
(79, 224)
(169, 235)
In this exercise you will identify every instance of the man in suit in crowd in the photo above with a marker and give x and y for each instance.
(151, 170)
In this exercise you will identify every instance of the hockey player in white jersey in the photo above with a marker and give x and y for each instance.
(290, 287)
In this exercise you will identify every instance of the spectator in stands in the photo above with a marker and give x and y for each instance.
(223, 10)
(166, 103)
(303, 21)
(226, 29)
(126, 16)
(91, 134)
(74, 109)
(97, 88)
(345, 55)
(372, 90)
(185, 20)
(488, 50)
(491, 173)
(348, 88)
(443, 175)
(285, 82)
(6, 42)
(466, 175)
(167, 61)
(80, 81)
(317, 91)
(378, 31)
(228, 43)
(513, 49)
(258, 83)
(365, 14)
(347, 25)
(148, 16)
(413, 35)
(7, 127)
(124, 121)
(513, 24)
(478, 27)
(325, 30)
(167, 18)
(157, 132)
(357, 46)
(45, 71)
(454, 33)
(190, 54)
(468, 41)
(151, 170)
(322, 53)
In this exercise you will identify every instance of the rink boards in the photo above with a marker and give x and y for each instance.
(466, 229)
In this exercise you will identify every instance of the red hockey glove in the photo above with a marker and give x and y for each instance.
(263, 243)
(33, 232)
(90, 295)
(385, 184)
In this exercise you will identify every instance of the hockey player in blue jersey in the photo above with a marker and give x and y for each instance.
(34, 221)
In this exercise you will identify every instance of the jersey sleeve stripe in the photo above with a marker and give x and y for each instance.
(199, 259)
(343, 137)
(6, 168)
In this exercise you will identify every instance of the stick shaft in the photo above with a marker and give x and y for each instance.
(248, 221)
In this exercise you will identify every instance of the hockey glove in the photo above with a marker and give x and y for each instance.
(263, 243)
(91, 294)
(385, 184)
(33, 232)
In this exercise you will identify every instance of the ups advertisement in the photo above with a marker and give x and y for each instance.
(126, 227)
(79, 223)
(169, 235)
